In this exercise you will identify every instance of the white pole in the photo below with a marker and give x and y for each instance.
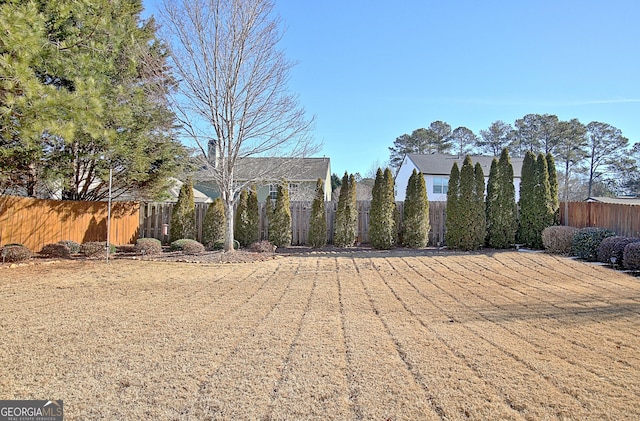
(109, 216)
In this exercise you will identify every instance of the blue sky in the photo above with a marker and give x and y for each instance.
(370, 71)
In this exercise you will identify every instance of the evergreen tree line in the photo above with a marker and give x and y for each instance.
(474, 220)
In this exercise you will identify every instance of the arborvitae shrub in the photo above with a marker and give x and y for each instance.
(187, 246)
(280, 221)
(15, 253)
(318, 220)
(252, 230)
(535, 200)
(183, 216)
(452, 224)
(56, 250)
(479, 223)
(553, 189)
(587, 241)
(415, 231)
(382, 224)
(96, 249)
(246, 227)
(148, 246)
(614, 247)
(71, 245)
(558, 239)
(466, 211)
(241, 219)
(631, 256)
(345, 230)
(501, 207)
(214, 226)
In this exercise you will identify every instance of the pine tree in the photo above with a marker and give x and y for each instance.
(382, 225)
(318, 222)
(183, 216)
(553, 189)
(452, 226)
(214, 226)
(479, 221)
(415, 233)
(280, 223)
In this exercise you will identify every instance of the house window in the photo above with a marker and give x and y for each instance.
(273, 191)
(293, 188)
(440, 185)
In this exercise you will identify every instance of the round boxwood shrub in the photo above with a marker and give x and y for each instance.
(631, 256)
(15, 253)
(558, 239)
(96, 248)
(587, 241)
(263, 246)
(148, 246)
(56, 250)
(187, 246)
(613, 247)
(73, 247)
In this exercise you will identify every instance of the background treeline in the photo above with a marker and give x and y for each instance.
(593, 159)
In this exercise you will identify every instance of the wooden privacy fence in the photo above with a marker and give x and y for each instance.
(155, 219)
(36, 222)
(621, 218)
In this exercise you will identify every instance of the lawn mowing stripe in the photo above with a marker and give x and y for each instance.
(619, 386)
(522, 388)
(561, 291)
(521, 288)
(242, 386)
(382, 385)
(551, 321)
(314, 384)
(455, 391)
(590, 389)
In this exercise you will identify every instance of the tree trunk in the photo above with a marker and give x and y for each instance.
(228, 207)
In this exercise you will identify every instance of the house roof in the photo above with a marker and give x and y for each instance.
(440, 164)
(290, 169)
(198, 196)
(616, 200)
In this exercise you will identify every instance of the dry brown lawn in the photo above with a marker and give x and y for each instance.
(372, 336)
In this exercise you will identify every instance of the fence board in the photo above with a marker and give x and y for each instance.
(621, 218)
(36, 222)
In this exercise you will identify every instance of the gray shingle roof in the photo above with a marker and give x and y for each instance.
(276, 169)
(440, 164)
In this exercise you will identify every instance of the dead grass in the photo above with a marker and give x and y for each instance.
(325, 336)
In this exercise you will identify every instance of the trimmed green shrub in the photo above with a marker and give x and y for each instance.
(73, 247)
(614, 247)
(187, 246)
(214, 226)
(466, 230)
(56, 250)
(263, 246)
(183, 215)
(246, 228)
(415, 230)
(148, 246)
(346, 223)
(382, 222)
(452, 224)
(501, 210)
(15, 253)
(280, 221)
(587, 241)
(631, 256)
(558, 239)
(318, 220)
(536, 211)
(554, 202)
(96, 249)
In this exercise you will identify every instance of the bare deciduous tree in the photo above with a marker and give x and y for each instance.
(233, 100)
